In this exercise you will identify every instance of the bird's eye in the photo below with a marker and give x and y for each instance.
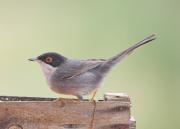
(49, 59)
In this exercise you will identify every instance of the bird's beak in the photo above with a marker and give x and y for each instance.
(33, 59)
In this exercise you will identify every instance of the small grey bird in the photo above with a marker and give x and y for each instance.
(79, 77)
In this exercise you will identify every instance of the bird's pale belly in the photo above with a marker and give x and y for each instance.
(80, 85)
(73, 89)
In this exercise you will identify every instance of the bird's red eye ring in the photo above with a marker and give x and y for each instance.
(49, 59)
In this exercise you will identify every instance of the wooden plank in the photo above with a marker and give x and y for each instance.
(17, 98)
(30, 113)
(117, 97)
(132, 123)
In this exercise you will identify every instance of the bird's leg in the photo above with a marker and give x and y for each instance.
(79, 97)
(94, 94)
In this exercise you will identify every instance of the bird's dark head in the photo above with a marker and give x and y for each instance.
(50, 58)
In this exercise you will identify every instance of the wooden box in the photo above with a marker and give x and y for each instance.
(43, 113)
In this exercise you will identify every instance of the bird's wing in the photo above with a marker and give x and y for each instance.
(73, 68)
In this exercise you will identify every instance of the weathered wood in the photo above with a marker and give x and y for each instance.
(117, 97)
(132, 123)
(30, 113)
(17, 98)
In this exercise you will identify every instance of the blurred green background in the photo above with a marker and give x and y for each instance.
(97, 29)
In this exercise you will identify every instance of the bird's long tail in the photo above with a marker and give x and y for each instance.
(116, 59)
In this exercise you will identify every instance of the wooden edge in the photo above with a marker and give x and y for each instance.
(107, 97)
(22, 98)
(132, 123)
(116, 97)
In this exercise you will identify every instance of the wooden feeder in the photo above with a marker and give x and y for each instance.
(43, 113)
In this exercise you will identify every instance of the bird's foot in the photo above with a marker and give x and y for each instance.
(58, 99)
(80, 98)
(61, 100)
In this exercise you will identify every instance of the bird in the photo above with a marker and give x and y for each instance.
(80, 77)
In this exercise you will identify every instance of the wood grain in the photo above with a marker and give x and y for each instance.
(64, 114)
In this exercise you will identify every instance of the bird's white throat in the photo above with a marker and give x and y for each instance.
(47, 69)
